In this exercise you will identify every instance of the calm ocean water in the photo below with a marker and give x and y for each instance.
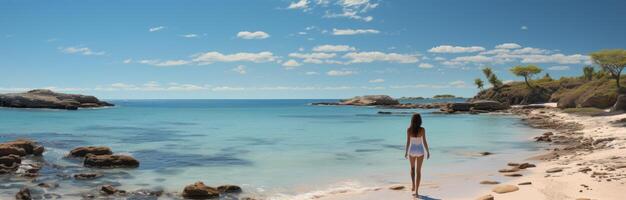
(273, 148)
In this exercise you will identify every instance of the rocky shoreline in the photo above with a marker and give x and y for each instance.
(43, 98)
(570, 145)
(22, 159)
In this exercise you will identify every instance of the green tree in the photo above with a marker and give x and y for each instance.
(491, 77)
(611, 60)
(479, 83)
(493, 80)
(527, 72)
(547, 77)
(588, 72)
(488, 72)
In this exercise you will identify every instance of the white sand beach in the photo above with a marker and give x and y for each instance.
(595, 169)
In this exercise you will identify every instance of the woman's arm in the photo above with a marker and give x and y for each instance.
(406, 147)
(426, 144)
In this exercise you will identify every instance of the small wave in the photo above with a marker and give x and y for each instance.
(338, 189)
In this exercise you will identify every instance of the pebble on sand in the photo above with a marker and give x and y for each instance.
(554, 170)
(489, 182)
(486, 197)
(396, 187)
(501, 189)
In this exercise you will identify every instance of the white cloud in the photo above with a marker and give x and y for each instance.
(312, 73)
(378, 80)
(252, 35)
(167, 63)
(455, 49)
(524, 28)
(353, 9)
(316, 58)
(81, 50)
(473, 59)
(367, 57)
(240, 69)
(425, 65)
(333, 48)
(559, 68)
(458, 84)
(158, 28)
(340, 73)
(508, 46)
(349, 14)
(301, 4)
(354, 31)
(556, 58)
(291, 64)
(530, 50)
(190, 35)
(440, 58)
(127, 61)
(213, 56)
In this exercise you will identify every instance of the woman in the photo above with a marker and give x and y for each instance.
(415, 146)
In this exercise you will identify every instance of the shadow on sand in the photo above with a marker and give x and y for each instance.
(424, 197)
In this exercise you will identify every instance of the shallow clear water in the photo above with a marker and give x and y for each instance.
(273, 148)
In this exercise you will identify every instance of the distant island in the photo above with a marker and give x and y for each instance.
(445, 96)
(43, 98)
(411, 98)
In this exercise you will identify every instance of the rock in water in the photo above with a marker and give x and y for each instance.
(229, 189)
(6, 150)
(370, 100)
(83, 151)
(486, 197)
(110, 161)
(21, 147)
(10, 162)
(87, 176)
(501, 189)
(23, 194)
(42, 98)
(108, 189)
(200, 191)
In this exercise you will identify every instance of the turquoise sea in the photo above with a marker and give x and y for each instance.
(274, 149)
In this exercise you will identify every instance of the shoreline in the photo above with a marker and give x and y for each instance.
(585, 159)
(585, 162)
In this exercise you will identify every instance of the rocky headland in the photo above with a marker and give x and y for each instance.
(43, 98)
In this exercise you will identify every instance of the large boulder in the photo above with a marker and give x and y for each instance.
(110, 161)
(21, 147)
(200, 191)
(23, 194)
(488, 105)
(474, 106)
(620, 104)
(370, 100)
(10, 162)
(93, 150)
(42, 98)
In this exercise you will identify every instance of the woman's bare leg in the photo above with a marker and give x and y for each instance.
(418, 174)
(412, 161)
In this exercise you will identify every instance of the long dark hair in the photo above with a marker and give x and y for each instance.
(416, 124)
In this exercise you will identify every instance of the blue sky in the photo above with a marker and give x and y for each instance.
(293, 48)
